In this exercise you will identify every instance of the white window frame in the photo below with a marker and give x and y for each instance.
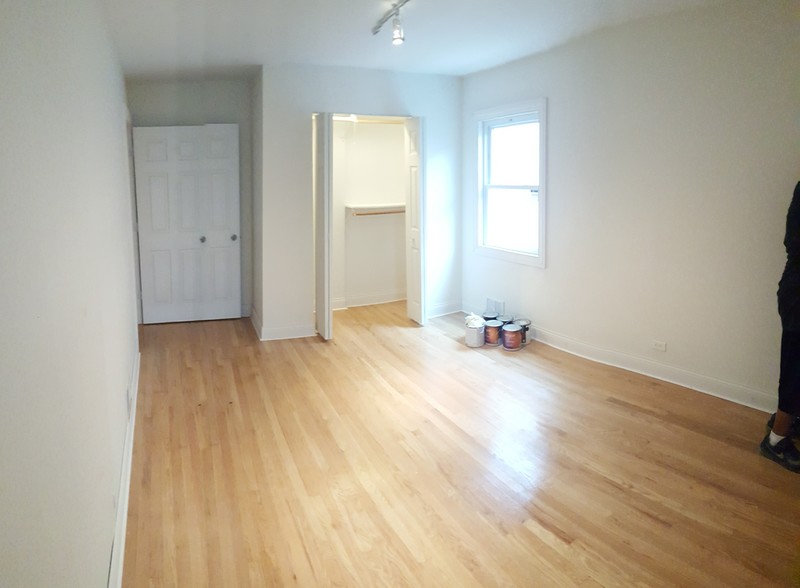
(534, 110)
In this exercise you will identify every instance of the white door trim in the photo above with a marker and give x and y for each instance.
(322, 297)
(322, 178)
(415, 221)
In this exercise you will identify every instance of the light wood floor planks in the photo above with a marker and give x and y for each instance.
(396, 456)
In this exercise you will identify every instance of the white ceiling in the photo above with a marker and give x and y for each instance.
(456, 37)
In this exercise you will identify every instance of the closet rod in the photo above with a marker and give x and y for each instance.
(377, 213)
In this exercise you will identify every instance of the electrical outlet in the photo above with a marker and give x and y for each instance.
(659, 345)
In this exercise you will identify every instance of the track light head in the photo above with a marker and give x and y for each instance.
(392, 14)
(397, 31)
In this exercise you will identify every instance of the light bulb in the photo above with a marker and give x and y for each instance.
(397, 32)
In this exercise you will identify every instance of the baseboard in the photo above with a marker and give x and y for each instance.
(675, 375)
(376, 298)
(338, 304)
(278, 333)
(443, 308)
(121, 524)
(273, 334)
(256, 321)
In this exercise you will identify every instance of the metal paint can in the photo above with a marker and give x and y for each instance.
(474, 336)
(512, 337)
(505, 319)
(489, 316)
(526, 325)
(492, 332)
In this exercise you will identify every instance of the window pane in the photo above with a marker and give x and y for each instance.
(511, 219)
(514, 155)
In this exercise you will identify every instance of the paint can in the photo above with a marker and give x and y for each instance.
(492, 331)
(489, 316)
(505, 319)
(512, 337)
(526, 325)
(474, 334)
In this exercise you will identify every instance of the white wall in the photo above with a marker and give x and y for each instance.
(672, 155)
(68, 341)
(291, 94)
(197, 102)
(368, 262)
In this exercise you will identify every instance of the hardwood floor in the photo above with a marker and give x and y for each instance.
(396, 456)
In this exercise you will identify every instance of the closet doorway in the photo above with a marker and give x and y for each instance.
(187, 200)
(368, 214)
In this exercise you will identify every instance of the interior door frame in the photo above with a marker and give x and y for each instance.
(322, 204)
(420, 219)
(134, 214)
(322, 296)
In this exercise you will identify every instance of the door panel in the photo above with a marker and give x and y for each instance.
(189, 202)
(158, 200)
(188, 150)
(187, 191)
(161, 278)
(414, 268)
(190, 273)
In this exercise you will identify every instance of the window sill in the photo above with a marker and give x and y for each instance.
(511, 256)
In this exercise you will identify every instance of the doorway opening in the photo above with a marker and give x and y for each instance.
(188, 206)
(368, 184)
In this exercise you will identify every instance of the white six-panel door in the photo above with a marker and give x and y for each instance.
(187, 193)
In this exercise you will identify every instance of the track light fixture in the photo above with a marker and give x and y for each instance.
(397, 28)
(397, 31)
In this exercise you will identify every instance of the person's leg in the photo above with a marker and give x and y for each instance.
(778, 445)
(786, 421)
(783, 423)
(789, 383)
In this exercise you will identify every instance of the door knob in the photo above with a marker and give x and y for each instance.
(203, 239)
(234, 237)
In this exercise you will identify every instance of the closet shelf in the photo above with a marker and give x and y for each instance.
(374, 209)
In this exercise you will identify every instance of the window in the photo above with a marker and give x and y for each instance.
(511, 201)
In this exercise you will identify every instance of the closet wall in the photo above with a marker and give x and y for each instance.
(368, 252)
